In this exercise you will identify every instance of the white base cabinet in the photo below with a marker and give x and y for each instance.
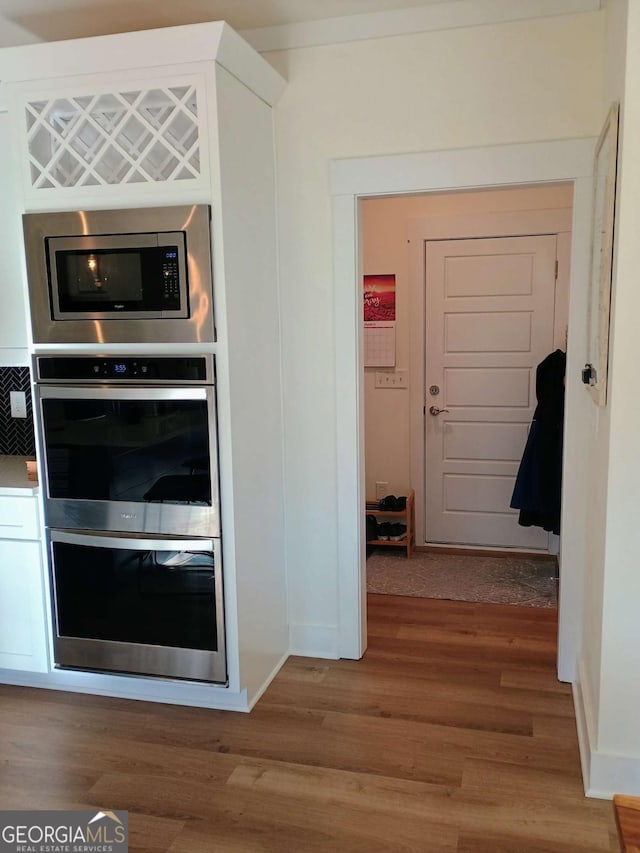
(23, 622)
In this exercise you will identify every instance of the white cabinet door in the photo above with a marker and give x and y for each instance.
(23, 640)
(13, 322)
(123, 140)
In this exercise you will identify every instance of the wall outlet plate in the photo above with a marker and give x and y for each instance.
(18, 401)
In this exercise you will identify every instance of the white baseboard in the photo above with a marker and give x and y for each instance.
(147, 690)
(613, 774)
(314, 641)
(604, 774)
(122, 687)
(582, 725)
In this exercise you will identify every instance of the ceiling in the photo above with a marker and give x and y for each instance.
(52, 20)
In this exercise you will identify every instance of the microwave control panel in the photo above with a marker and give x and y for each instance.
(170, 274)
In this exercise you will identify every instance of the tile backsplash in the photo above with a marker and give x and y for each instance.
(16, 434)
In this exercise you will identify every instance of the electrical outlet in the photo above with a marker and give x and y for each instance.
(392, 378)
(382, 490)
(18, 404)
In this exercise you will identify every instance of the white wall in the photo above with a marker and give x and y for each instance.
(618, 727)
(620, 688)
(385, 223)
(598, 419)
(487, 85)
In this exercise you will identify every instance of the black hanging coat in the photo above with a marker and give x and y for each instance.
(538, 487)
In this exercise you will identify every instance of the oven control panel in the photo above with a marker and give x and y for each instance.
(115, 369)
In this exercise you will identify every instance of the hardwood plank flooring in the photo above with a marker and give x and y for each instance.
(452, 734)
(627, 811)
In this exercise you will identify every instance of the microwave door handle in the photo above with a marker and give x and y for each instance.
(99, 243)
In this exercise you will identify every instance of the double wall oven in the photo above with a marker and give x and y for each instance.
(128, 441)
(131, 498)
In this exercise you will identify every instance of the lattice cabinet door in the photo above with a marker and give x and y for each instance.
(149, 137)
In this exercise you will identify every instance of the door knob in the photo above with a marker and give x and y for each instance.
(434, 410)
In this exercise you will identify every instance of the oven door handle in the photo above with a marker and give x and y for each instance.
(87, 392)
(131, 543)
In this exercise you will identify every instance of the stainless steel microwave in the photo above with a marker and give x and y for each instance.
(120, 276)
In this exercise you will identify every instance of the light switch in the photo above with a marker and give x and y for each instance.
(392, 379)
(382, 489)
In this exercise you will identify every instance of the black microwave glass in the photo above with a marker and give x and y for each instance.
(118, 276)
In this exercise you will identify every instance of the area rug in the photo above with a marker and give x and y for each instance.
(524, 581)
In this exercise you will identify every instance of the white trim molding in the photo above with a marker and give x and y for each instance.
(416, 19)
(140, 50)
(463, 168)
(314, 641)
(604, 774)
(504, 165)
(124, 687)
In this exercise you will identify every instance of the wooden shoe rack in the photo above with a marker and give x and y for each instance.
(406, 516)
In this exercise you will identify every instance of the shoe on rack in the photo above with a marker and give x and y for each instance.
(372, 527)
(384, 530)
(393, 504)
(397, 532)
(388, 503)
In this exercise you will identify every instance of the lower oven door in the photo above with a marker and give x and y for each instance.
(138, 605)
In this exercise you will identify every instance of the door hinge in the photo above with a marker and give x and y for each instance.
(556, 270)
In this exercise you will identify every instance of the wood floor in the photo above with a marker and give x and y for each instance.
(451, 735)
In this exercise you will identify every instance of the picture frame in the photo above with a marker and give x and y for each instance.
(601, 268)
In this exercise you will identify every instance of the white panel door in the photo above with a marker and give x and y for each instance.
(489, 323)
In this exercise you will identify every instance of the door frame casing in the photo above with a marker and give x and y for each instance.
(351, 179)
(520, 223)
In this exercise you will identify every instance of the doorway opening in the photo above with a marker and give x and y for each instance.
(474, 286)
(481, 168)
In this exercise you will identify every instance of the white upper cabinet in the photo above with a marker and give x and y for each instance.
(110, 123)
(152, 132)
(13, 321)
